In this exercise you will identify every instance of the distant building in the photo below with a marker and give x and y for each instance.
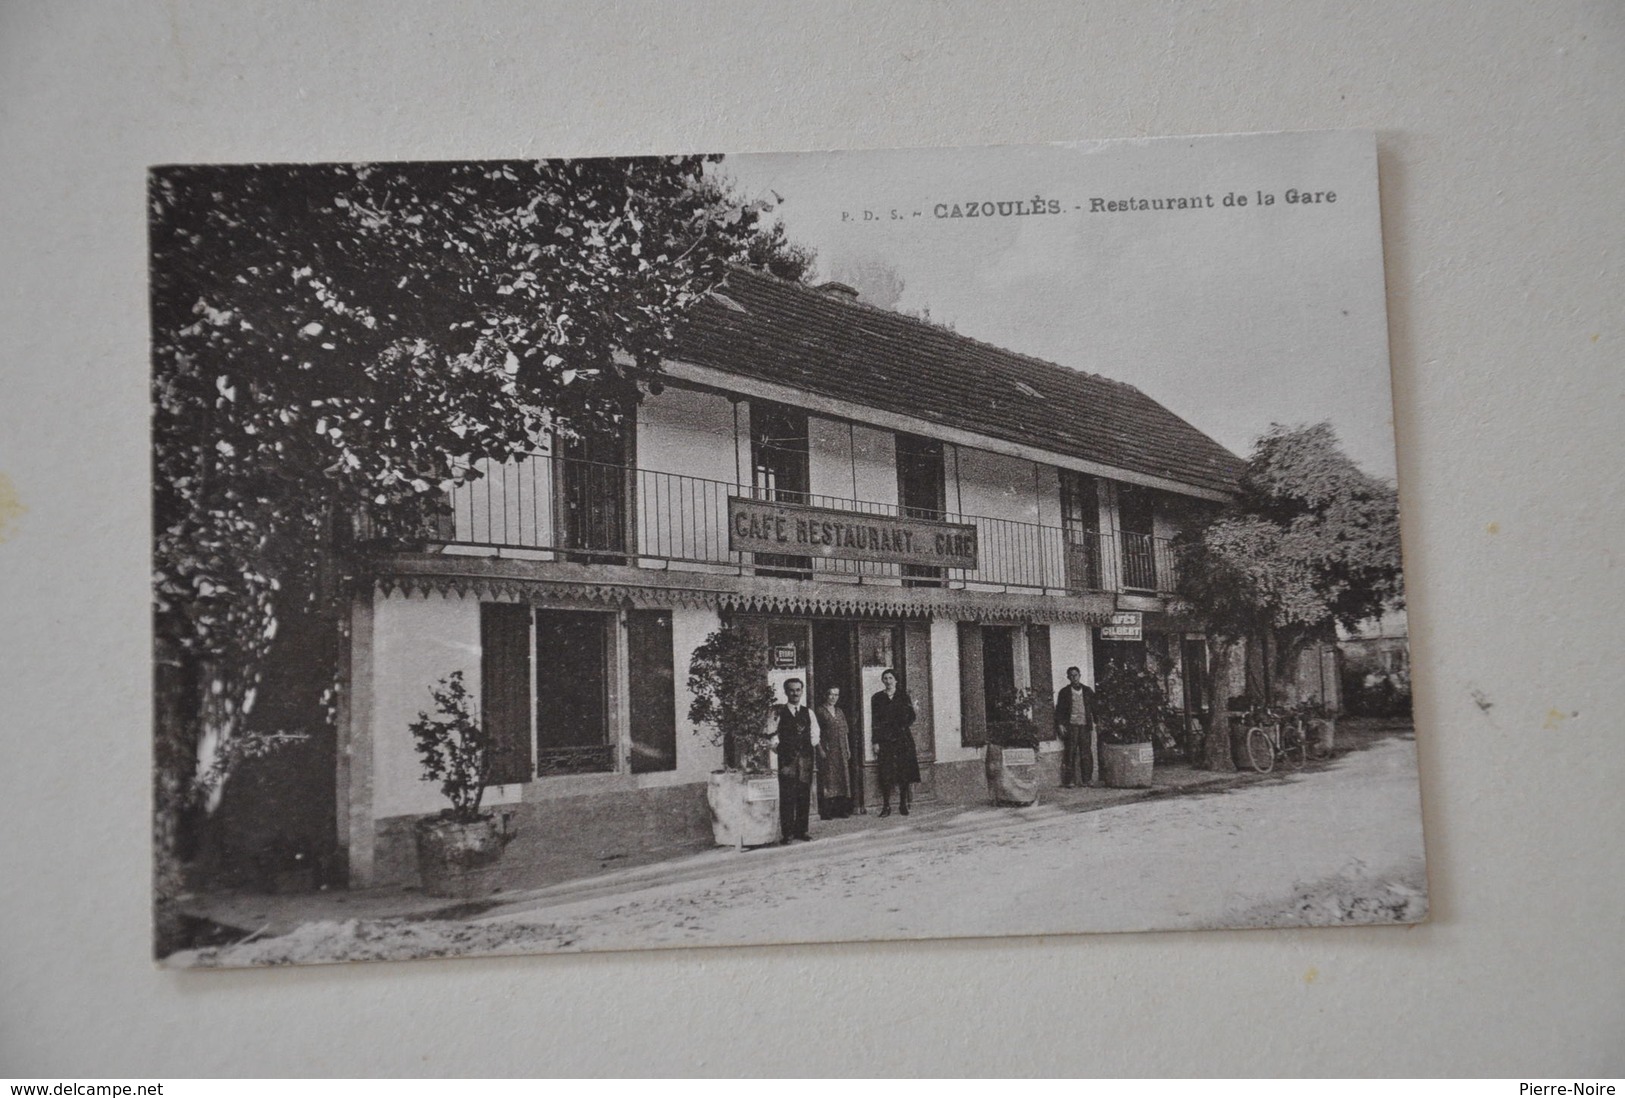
(1376, 659)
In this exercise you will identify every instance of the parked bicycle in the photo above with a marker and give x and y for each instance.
(1288, 737)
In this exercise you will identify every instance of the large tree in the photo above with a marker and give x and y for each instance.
(338, 341)
(1310, 541)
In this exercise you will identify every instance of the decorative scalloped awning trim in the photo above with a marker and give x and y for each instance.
(861, 601)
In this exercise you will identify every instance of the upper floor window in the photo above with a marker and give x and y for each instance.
(780, 471)
(1136, 519)
(1080, 518)
(921, 493)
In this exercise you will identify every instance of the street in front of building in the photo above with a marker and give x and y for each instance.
(1338, 844)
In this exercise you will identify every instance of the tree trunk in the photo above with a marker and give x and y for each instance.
(1216, 744)
(172, 765)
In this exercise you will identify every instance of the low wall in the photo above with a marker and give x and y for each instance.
(565, 837)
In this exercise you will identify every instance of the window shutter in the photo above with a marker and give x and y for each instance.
(917, 680)
(972, 705)
(505, 689)
(1041, 678)
(653, 691)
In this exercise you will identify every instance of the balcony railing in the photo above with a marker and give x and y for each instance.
(587, 512)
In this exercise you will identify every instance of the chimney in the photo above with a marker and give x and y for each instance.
(838, 289)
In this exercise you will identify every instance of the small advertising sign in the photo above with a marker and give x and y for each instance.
(1126, 626)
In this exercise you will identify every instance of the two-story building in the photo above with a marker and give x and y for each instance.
(967, 515)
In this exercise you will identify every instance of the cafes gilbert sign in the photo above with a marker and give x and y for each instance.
(793, 529)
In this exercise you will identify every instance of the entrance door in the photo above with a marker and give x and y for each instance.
(877, 650)
(789, 656)
(834, 663)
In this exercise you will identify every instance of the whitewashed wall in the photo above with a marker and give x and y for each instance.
(417, 641)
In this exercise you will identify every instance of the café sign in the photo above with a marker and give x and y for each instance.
(1126, 626)
(793, 529)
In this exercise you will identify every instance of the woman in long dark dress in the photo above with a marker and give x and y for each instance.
(834, 759)
(891, 715)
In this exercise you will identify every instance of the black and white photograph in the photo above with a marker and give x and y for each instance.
(720, 550)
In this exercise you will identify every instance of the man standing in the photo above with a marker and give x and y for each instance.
(1075, 723)
(795, 732)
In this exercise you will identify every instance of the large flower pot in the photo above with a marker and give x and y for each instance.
(1126, 765)
(744, 808)
(459, 859)
(1012, 775)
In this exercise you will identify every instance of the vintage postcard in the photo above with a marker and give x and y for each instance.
(812, 547)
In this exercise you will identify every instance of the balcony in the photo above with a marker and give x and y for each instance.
(552, 508)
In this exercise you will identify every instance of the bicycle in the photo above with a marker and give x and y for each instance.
(1274, 738)
(1284, 737)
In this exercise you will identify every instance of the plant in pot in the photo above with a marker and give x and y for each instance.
(1128, 706)
(727, 676)
(459, 848)
(1012, 749)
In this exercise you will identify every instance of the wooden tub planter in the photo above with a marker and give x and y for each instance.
(1126, 765)
(744, 808)
(459, 859)
(1012, 775)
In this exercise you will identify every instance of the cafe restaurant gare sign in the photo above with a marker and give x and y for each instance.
(760, 526)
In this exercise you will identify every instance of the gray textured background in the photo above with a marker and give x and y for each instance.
(1503, 180)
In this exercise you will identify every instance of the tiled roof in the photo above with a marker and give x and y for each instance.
(816, 341)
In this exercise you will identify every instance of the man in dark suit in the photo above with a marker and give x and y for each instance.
(1075, 723)
(796, 734)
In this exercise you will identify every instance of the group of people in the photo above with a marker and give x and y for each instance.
(820, 743)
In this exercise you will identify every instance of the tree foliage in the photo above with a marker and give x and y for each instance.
(1310, 540)
(346, 339)
(454, 748)
(727, 675)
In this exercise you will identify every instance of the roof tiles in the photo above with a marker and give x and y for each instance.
(819, 342)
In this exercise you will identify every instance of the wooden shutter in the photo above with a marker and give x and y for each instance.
(505, 689)
(917, 680)
(972, 703)
(1041, 679)
(652, 695)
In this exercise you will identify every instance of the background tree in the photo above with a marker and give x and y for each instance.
(332, 341)
(1310, 542)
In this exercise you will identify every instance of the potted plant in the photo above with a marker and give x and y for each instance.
(1012, 750)
(728, 677)
(1128, 707)
(459, 848)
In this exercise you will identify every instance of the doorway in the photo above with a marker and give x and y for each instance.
(835, 664)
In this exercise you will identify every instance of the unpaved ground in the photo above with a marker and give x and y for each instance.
(1341, 845)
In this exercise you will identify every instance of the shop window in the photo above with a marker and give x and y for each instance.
(572, 692)
(544, 691)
